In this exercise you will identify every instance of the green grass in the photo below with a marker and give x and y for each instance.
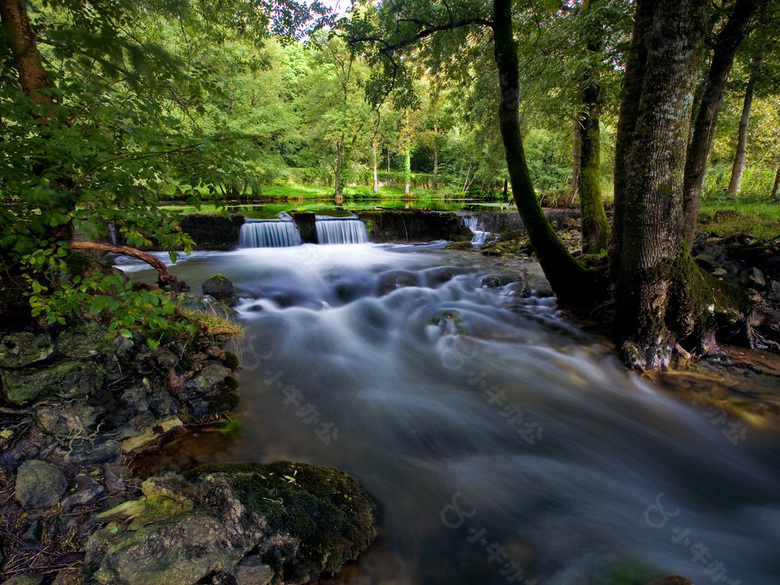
(756, 215)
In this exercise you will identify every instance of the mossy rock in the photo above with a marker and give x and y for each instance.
(393, 280)
(22, 348)
(459, 246)
(295, 520)
(323, 507)
(65, 380)
(85, 340)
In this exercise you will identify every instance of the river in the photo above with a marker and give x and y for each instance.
(502, 444)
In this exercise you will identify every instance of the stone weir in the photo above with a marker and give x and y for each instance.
(216, 232)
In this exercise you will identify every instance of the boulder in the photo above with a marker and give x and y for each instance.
(39, 484)
(22, 348)
(244, 523)
(218, 287)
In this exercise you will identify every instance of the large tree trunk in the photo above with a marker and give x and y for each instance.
(576, 162)
(339, 166)
(375, 151)
(744, 121)
(595, 227)
(652, 311)
(24, 48)
(629, 111)
(573, 285)
(726, 46)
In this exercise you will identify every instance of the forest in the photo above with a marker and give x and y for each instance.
(548, 381)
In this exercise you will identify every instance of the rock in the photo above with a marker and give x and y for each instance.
(116, 477)
(466, 245)
(23, 348)
(391, 281)
(84, 341)
(69, 576)
(233, 523)
(83, 491)
(706, 261)
(151, 434)
(39, 484)
(218, 287)
(24, 579)
(65, 380)
(34, 531)
(752, 278)
(213, 231)
(774, 290)
(94, 452)
(210, 391)
(673, 580)
(252, 571)
(570, 223)
(720, 272)
(498, 280)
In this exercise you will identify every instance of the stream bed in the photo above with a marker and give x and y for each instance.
(502, 444)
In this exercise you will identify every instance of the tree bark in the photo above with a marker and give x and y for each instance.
(339, 165)
(27, 58)
(595, 227)
(726, 46)
(627, 118)
(744, 121)
(575, 167)
(573, 285)
(375, 150)
(773, 194)
(165, 276)
(652, 311)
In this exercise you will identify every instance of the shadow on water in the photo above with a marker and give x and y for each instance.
(501, 444)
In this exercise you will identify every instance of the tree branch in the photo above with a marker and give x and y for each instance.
(424, 33)
(129, 156)
(165, 276)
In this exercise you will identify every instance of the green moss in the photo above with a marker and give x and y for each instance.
(231, 361)
(324, 507)
(631, 572)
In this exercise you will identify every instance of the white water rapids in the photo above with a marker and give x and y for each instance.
(501, 444)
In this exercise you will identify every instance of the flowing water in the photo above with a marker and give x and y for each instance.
(269, 233)
(501, 444)
(480, 235)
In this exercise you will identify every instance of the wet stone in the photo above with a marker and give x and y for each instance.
(39, 484)
(83, 491)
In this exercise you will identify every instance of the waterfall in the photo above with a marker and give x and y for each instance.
(472, 223)
(341, 231)
(269, 233)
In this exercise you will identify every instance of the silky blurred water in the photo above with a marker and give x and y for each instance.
(501, 443)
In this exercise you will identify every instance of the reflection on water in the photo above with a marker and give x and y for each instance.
(501, 444)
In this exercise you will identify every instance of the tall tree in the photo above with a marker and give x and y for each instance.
(725, 49)
(739, 157)
(656, 279)
(595, 227)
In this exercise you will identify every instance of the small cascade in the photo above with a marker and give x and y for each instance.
(472, 223)
(341, 231)
(269, 233)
